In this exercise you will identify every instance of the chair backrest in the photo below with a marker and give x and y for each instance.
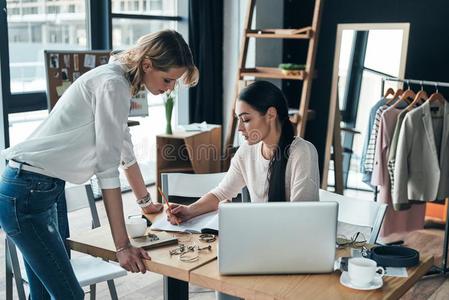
(358, 212)
(189, 185)
(82, 196)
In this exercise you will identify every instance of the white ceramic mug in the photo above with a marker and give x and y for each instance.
(362, 270)
(136, 227)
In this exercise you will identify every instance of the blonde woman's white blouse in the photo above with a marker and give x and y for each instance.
(86, 132)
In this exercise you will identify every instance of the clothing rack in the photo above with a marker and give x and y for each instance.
(443, 270)
(435, 84)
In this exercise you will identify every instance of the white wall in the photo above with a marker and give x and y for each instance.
(182, 104)
(268, 14)
(234, 13)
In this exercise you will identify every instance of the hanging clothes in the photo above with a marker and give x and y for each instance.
(392, 156)
(366, 175)
(422, 158)
(394, 222)
(369, 157)
(371, 148)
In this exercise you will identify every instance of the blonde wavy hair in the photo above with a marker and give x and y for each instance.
(165, 49)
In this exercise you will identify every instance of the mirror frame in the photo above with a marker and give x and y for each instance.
(333, 103)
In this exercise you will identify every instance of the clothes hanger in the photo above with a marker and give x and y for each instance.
(437, 96)
(389, 92)
(409, 93)
(395, 97)
(421, 96)
(398, 93)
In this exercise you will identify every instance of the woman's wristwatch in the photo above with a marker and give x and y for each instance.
(145, 201)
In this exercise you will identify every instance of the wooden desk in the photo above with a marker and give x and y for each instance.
(317, 286)
(98, 242)
(177, 274)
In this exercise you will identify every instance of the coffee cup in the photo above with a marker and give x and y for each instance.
(136, 227)
(362, 271)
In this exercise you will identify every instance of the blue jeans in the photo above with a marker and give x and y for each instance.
(29, 216)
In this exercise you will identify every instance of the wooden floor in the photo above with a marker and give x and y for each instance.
(149, 285)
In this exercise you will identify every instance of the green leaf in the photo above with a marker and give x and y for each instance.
(291, 66)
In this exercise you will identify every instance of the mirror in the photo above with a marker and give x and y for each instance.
(364, 54)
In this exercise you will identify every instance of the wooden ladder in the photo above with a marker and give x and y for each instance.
(309, 33)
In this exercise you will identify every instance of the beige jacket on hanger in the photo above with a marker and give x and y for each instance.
(422, 168)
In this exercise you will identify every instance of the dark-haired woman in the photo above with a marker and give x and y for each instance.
(273, 164)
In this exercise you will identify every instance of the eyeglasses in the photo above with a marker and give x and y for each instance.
(358, 240)
(189, 253)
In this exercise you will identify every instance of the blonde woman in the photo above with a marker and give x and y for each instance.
(86, 134)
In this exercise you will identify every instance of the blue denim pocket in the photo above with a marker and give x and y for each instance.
(8, 215)
(43, 195)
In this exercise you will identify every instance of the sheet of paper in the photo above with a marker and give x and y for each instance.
(209, 220)
(197, 126)
(396, 272)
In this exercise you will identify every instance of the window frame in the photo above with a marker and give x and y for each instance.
(99, 30)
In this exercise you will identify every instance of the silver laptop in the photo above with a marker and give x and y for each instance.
(277, 238)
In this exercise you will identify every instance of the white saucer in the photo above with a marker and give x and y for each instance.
(376, 283)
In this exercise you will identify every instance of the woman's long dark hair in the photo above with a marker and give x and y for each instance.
(261, 95)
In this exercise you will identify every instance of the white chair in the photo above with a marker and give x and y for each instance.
(357, 212)
(89, 270)
(190, 186)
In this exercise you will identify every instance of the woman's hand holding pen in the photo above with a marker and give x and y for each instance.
(177, 213)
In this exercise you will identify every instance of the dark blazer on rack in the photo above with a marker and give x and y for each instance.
(422, 171)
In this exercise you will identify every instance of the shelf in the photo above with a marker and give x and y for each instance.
(266, 72)
(303, 33)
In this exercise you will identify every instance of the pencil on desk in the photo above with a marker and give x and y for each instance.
(166, 202)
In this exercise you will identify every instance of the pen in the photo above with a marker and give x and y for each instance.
(166, 202)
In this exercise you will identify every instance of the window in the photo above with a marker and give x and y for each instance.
(125, 32)
(22, 124)
(131, 20)
(382, 59)
(36, 25)
(38, 29)
(156, 5)
(344, 64)
(146, 7)
(15, 11)
(29, 11)
(53, 9)
(383, 52)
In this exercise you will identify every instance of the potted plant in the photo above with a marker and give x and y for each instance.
(291, 69)
(169, 103)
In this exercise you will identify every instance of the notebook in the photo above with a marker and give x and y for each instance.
(206, 223)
